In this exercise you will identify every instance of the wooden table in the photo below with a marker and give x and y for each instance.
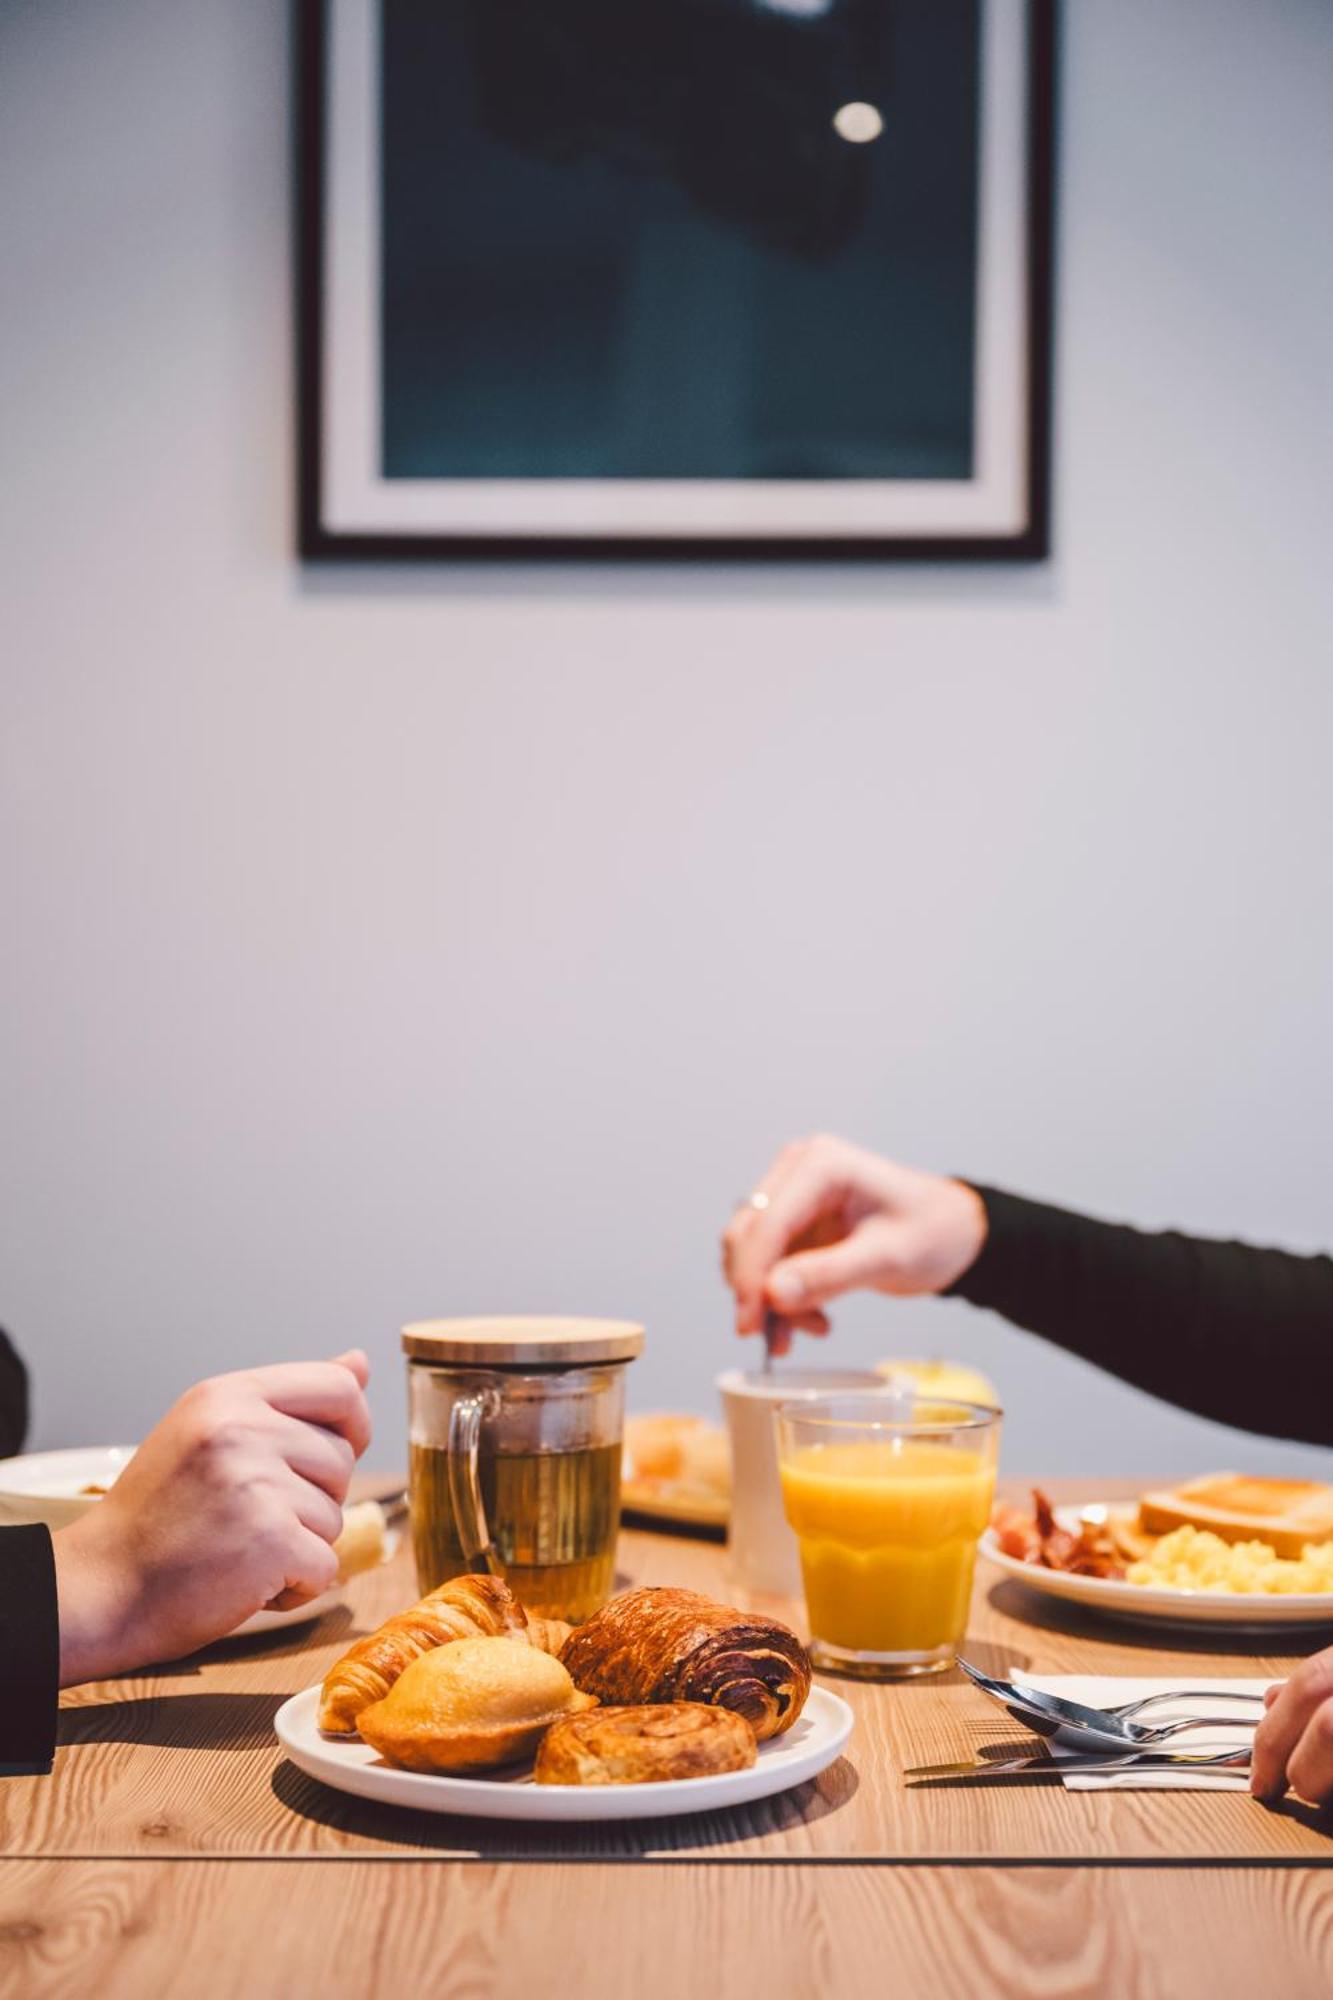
(174, 1848)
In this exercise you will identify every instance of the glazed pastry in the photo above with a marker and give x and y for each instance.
(637, 1746)
(466, 1607)
(471, 1706)
(659, 1645)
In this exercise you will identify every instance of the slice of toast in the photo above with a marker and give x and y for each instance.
(1285, 1513)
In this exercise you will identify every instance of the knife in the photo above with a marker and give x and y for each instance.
(1059, 1767)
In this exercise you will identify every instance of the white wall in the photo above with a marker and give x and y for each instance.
(381, 943)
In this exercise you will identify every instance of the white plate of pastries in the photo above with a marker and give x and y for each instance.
(663, 1702)
(1227, 1549)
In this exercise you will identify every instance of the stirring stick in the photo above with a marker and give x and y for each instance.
(770, 1328)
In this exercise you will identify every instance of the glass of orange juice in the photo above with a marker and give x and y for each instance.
(888, 1497)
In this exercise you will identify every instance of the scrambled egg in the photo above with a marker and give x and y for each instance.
(1193, 1559)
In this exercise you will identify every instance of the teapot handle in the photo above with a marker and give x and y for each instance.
(465, 1422)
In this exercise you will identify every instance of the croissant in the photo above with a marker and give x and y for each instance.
(548, 1635)
(660, 1645)
(634, 1746)
(466, 1607)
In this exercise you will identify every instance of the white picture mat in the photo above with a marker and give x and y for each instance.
(356, 499)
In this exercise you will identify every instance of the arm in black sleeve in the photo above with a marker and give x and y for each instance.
(13, 1399)
(1242, 1335)
(29, 1647)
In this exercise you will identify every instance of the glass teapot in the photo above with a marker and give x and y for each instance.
(515, 1432)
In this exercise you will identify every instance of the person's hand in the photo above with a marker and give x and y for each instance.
(1293, 1745)
(233, 1502)
(829, 1218)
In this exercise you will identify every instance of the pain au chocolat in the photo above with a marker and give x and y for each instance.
(660, 1645)
(648, 1744)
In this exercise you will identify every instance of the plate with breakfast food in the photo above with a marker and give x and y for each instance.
(677, 1469)
(663, 1702)
(1226, 1549)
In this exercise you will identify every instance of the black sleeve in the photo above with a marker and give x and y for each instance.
(1242, 1335)
(29, 1647)
(13, 1399)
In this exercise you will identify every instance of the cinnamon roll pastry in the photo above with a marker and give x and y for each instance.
(659, 1645)
(644, 1745)
(466, 1607)
(471, 1706)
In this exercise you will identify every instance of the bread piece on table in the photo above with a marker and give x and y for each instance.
(644, 1745)
(659, 1645)
(1285, 1513)
(471, 1706)
(654, 1444)
(466, 1607)
(361, 1544)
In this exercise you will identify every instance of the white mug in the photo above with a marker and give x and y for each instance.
(762, 1552)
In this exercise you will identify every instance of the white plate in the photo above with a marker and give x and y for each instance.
(278, 1621)
(807, 1748)
(1147, 1605)
(49, 1486)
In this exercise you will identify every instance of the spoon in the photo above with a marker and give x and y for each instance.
(1076, 1725)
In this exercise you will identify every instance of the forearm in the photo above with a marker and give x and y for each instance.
(96, 1612)
(1239, 1334)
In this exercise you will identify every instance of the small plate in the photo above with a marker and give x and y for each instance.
(808, 1747)
(679, 1505)
(305, 1614)
(1145, 1604)
(279, 1621)
(49, 1486)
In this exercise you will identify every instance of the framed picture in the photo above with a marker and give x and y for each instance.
(653, 278)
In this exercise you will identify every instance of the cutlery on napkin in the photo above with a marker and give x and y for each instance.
(1103, 1690)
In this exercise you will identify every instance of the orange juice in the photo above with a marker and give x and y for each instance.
(888, 1530)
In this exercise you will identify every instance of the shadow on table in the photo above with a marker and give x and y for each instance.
(1052, 1614)
(983, 1653)
(174, 1721)
(1318, 1819)
(598, 1840)
(335, 1627)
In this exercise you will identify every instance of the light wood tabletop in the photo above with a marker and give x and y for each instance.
(210, 1930)
(171, 1813)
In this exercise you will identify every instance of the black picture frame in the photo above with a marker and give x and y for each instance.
(317, 541)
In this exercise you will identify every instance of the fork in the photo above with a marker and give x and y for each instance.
(1124, 1711)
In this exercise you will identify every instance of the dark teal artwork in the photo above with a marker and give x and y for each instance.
(679, 239)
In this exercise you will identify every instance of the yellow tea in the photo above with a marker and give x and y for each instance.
(553, 1516)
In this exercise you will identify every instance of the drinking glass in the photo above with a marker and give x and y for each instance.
(888, 1499)
(515, 1454)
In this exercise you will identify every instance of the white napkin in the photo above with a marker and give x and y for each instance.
(1106, 1690)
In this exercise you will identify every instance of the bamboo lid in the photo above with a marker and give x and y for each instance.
(531, 1342)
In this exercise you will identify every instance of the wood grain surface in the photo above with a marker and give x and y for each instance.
(496, 1931)
(183, 1761)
